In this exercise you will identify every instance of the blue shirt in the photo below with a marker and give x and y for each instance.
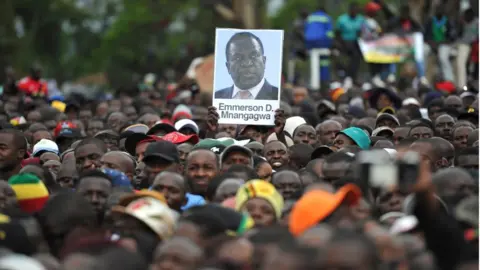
(349, 27)
(193, 200)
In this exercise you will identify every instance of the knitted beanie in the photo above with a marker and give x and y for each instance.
(258, 188)
(30, 190)
(181, 111)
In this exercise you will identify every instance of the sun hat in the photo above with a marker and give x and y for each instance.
(358, 136)
(153, 213)
(258, 188)
(316, 205)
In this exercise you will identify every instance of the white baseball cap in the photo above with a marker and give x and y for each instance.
(44, 145)
(187, 123)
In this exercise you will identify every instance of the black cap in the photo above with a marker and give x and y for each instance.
(65, 133)
(321, 152)
(166, 128)
(133, 139)
(163, 150)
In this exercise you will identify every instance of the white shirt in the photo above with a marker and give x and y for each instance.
(253, 91)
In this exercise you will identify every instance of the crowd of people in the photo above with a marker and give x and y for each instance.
(451, 41)
(361, 178)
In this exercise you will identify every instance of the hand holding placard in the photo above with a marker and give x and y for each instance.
(212, 119)
(279, 121)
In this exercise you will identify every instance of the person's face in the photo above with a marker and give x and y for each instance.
(131, 113)
(183, 150)
(156, 166)
(85, 116)
(140, 174)
(434, 112)
(49, 156)
(387, 123)
(276, 154)
(140, 150)
(287, 184)
(305, 134)
(383, 101)
(264, 171)
(254, 134)
(94, 127)
(88, 157)
(42, 134)
(172, 188)
(261, 212)
(116, 121)
(235, 158)
(454, 102)
(34, 117)
(256, 149)
(245, 62)
(334, 171)
(96, 191)
(53, 166)
(112, 162)
(443, 126)
(326, 132)
(421, 132)
(228, 128)
(460, 137)
(7, 195)
(201, 167)
(227, 189)
(10, 156)
(390, 201)
(342, 141)
(175, 257)
(400, 134)
(353, 10)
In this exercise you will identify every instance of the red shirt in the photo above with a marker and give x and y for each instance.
(32, 87)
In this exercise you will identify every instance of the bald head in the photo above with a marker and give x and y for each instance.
(178, 179)
(443, 179)
(119, 160)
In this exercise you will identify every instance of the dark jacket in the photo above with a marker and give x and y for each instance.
(268, 92)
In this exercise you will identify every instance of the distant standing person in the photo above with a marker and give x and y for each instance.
(467, 39)
(348, 27)
(319, 35)
(246, 65)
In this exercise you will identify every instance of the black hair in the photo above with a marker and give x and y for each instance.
(365, 128)
(339, 157)
(310, 166)
(240, 168)
(257, 161)
(421, 124)
(242, 35)
(215, 183)
(469, 14)
(47, 178)
(93, 173)
(18, 138)
(99, 143)
(68, 210)
(438, 102)
(469, 151)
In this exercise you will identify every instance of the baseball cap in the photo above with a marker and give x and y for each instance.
(321, 152)
(153, 213)
(135, 138)
(137, 128)
(410, 101)
(470, 115)
(179, 138)
(236, 148)
(163, 150)
(306, 213)
(68, 133)
(384, 129)
(358, 136)
(161, 126)
(63, 125)
(44, 145)
(210, 144)
(385, 116)
(186, 123)
(107, 133)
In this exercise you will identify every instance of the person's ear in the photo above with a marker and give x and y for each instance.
(21, 153)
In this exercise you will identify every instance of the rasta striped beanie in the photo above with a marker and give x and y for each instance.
(30, 190)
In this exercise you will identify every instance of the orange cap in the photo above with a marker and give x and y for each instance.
(316, 205)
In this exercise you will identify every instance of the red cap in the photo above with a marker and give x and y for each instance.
(178, 138)
(63, 125)
(372, 7)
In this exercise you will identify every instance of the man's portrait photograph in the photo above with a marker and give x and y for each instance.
(248, 64)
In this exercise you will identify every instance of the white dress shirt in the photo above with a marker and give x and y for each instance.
(253, 91)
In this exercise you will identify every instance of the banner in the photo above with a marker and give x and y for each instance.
(392, 48)
(247, 75)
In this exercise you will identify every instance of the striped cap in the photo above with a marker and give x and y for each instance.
(30, 190)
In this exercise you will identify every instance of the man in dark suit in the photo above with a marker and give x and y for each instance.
(246, 65)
